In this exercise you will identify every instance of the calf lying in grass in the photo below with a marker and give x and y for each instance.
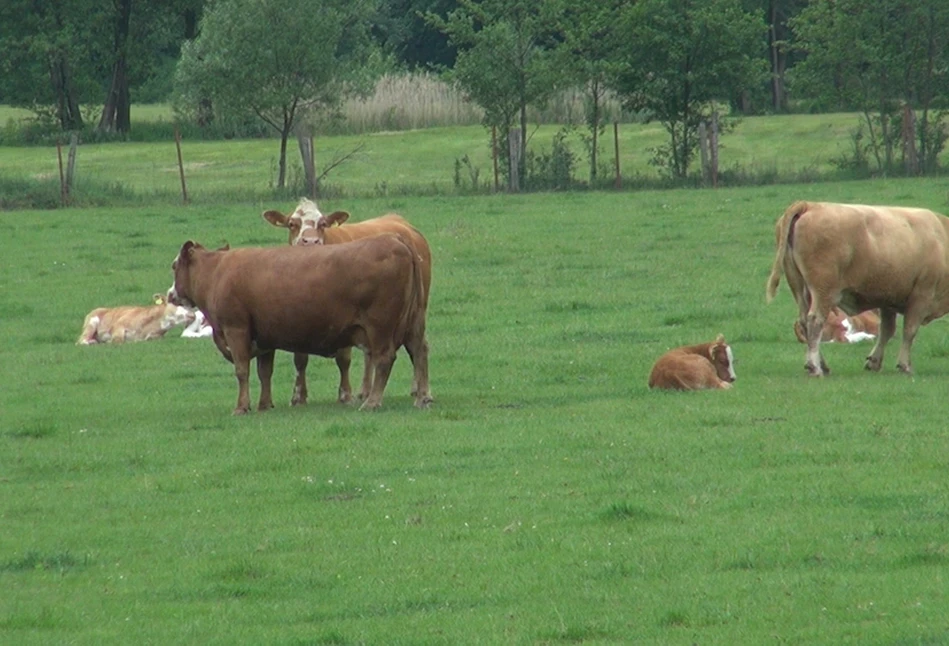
(695, 367)
(840, 328)
(132, 322)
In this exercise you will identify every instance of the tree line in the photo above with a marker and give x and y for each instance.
(289, 64)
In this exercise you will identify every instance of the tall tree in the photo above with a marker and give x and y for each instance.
(45, 56)
(873, 58)
(414, 41)
(117, 109)
(590, 50)
(505, 59)
(680, 57)
(276, 60)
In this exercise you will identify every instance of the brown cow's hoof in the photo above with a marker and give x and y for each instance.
(344, 398)
(241, 411)
(262, 406)
(813, 371)
(370, 405)
(424, 402)
(908, 370)
(872, 364)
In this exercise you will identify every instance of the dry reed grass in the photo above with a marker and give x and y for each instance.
(422, 100)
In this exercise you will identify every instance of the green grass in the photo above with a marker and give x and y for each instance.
(547, 497)
(418, 162)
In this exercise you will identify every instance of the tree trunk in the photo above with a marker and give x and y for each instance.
(116, 114)
(594, 127)
(67, 105)
(282, 172)
(522, 160)
(205, 115)
(778, 63)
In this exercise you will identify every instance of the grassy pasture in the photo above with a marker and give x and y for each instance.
(406, 162)
(547, 497)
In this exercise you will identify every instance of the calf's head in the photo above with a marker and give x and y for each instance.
(173, 314)
(306, 224)
(722, 358)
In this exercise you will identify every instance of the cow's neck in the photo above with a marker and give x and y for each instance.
(203, 267)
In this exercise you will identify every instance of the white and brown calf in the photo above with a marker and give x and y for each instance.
(132, 322)
(695, 367)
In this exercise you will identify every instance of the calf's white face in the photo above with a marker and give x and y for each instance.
(724, 361)
(176, 315)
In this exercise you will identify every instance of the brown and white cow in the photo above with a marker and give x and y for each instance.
(132, 322)
(695, 367)
(307, 226)
(840, 328)
(860, 257)
(309, 301)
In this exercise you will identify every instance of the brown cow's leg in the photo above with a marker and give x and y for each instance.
(221, 345)
(418, 352)
(300, 361)
(382, 362)
(265, 374)
(366, 386)
(239, 344)
(887, 330)
(344, 359)
(911, 323)
(815, 364)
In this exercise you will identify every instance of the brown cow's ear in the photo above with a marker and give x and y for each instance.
(226, 247)
(186, 249)
(720, 339)
(276, 218)
(337, 217)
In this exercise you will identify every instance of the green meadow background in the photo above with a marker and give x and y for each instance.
(547, 497)
(387, 164)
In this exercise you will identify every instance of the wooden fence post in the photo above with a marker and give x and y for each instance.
(618, 182)
(910, 157)
(494, 157)
(514, 146)
(181, 167)
(307, 153)
(713, 149)
(63, 195)
(703, 152)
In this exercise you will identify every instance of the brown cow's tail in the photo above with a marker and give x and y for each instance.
(782, 242)
(413, 295)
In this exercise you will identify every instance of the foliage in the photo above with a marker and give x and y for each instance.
(554, 169)
(547, 497)
(776, 149)
(294, 74)
(679, 58)
(875, 59)
(591, 52)
(505, 60)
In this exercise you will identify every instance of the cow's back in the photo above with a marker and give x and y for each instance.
(389, 223)
(875, 256)
(281, 294)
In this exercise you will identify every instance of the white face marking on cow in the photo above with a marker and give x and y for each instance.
(305, 223)
(731, 362)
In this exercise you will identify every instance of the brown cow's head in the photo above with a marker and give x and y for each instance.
(722, 358)
(306, 224)
(179, 293)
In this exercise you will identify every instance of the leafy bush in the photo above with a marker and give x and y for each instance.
(553, 169)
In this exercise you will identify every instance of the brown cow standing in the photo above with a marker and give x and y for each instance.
(132, 322)
(862, 257)
(695, 367)
(310, 301)
(308, 226)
